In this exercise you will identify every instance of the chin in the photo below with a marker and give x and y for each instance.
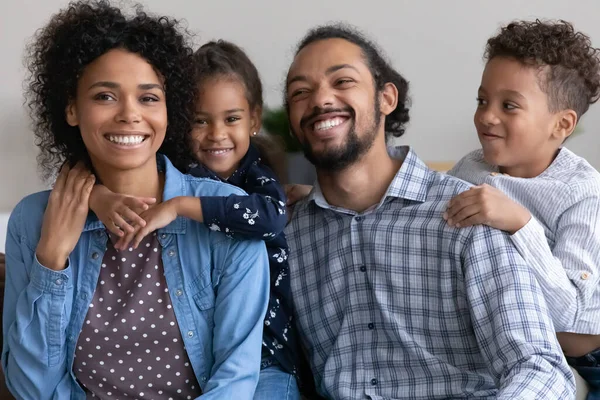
(127, 163)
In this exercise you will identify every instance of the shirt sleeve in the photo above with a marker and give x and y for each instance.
(511, 323)
(568, 274)
(240, 307)
(259, 215)
(37, 303)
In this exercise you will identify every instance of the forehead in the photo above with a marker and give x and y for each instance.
(502, 73)
(121, 66)
(316, 58)
(221, 92)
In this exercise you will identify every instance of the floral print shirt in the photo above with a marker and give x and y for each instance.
(261, 214)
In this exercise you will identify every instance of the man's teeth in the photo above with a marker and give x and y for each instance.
(218, 151)
(327, 123)
(126, 140)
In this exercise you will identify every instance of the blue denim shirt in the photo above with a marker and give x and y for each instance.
(219, 288)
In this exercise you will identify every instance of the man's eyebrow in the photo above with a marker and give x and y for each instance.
(329, 71)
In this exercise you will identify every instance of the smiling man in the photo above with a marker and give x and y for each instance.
(391, 302)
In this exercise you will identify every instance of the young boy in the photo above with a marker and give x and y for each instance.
(540, 78)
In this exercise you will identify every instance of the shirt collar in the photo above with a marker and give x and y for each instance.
(411, 182)
(238, 177)
(174, 186)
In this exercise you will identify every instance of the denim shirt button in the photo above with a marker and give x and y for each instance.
(95, 256)
(58, 282)
(163, 236)
(190, 334)
(84, 296)
(179, 292)
(171, 253)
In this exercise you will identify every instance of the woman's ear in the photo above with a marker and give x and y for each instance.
(71, 114)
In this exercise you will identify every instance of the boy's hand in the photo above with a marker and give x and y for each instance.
(118, 212)
(155, 218)
(295, 193)
(486, 205)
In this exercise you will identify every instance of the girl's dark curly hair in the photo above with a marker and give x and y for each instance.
(79, 34)
(569, 64)
(380, 68)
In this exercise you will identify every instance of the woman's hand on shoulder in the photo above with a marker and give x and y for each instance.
(65, 216)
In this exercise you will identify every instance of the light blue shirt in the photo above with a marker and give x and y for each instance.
(561, 242)
(219, 288)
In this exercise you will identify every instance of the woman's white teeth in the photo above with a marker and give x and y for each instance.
(328, 123)
(126, 140)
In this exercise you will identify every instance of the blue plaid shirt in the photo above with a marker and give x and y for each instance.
(395, 304)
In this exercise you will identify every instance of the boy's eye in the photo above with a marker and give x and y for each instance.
(480, 101)
(509, 106)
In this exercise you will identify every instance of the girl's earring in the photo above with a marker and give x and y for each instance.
(254, 134)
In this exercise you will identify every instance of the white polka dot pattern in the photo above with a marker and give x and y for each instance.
(130, 345)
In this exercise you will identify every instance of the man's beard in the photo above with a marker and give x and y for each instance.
(349, 152)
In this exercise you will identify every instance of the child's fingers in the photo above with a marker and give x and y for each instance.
(464, 214)
(464, 195)
(124, 242)
(476, 219)
(457, 205)
(139, 204)
(142, 233)
(132, 216)
(113, 227)
(121, 223)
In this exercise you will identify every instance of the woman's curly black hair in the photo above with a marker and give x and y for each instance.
(380, 68)
(79, 34)
(567, 59)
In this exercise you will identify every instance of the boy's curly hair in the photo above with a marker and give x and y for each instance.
(569, 64)
(75, 37)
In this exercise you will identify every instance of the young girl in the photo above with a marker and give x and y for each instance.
(227, 121)
(182, 316)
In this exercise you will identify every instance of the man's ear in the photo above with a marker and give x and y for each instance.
(389, 98)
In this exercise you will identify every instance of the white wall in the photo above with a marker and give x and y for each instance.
(437, 45)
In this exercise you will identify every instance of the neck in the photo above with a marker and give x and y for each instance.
(144, 181)
(532, 169)
(362, 184)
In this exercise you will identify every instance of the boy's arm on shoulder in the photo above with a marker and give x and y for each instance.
(511, 323)
(259, 215)
(569, 273)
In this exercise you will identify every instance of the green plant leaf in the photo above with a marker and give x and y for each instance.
(275, 122)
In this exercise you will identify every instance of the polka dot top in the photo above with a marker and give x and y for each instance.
(130, 345)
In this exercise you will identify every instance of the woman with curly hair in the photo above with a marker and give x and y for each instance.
(178, 317)
(539, 80)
